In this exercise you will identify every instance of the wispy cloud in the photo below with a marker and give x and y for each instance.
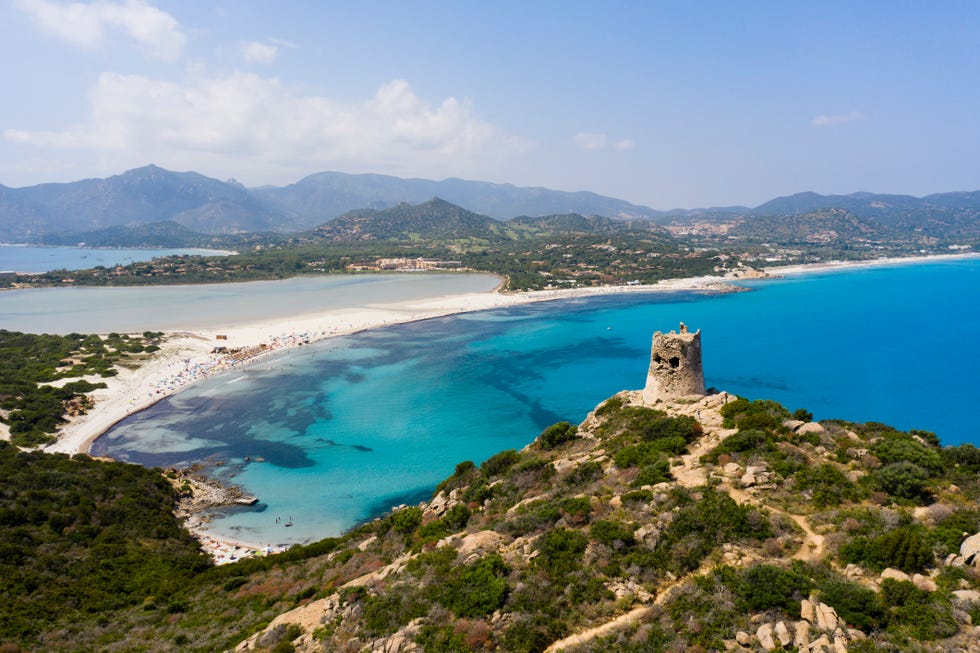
(86, 25)
(246, 124)
(256, 52)
(825, 120)
(590, 140)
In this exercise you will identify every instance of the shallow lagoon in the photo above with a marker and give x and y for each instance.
(30, 259)
(349, 427)
(175, 308)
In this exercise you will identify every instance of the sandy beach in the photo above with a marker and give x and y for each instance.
(829, 266)
(189, 356)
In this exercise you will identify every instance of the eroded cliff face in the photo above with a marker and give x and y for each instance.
(708, 521)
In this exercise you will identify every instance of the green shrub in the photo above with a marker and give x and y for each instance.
(612, 533)
(906, 548)
(658, 472)
(560, 551)
(532, 517)
(390, 611)
(856, 605)
(557, 434)
(904, 480)
(765, 587)
(583, 474)
(827, 483)
(964, 455)
(760, 414)
(699, 527)
(441, 639)
(499, 463)
(901, 448)
(802, 415)
(475, 590)
(609, 406)
(478, 491)
(456, 517)
(638, 496)
(916, 612)
(465, 471)
(532, 635)
(406, 520)
(576, 509)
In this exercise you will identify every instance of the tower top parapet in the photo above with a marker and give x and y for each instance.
(675, 366)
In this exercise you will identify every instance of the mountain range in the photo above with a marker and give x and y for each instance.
(151, 195)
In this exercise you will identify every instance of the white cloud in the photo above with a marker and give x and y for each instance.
(589, 140)
(824, 120)
(255, 52)
(247, 125)
(85, 24)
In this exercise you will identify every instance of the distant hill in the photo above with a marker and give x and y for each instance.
(149, 195)
(887, 208)
(439, 220)
(436, 219)
(155, 234)
(138, 197)
(322, 196)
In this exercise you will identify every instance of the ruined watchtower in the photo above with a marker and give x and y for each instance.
(675, 366)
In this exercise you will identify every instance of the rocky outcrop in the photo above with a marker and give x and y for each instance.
(969, 549)
(819, 630)
(198, 493)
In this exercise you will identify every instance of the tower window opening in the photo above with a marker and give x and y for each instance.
(675, 362)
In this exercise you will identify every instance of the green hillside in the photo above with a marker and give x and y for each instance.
(689, 526)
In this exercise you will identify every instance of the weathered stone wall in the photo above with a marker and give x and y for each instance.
(675, 366)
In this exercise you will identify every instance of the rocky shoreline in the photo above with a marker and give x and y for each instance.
(199, 493)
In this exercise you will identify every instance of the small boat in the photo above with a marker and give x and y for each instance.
(288, 524)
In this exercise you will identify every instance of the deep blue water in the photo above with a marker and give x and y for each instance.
(350, 427)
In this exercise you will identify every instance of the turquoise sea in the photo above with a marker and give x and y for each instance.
(341, 431)
(30, 259)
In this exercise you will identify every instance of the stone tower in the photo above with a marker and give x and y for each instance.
(675, 366)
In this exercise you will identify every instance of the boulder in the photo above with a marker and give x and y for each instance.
(826, 617)
(764, 634)
(811, 427)
(821, 644)
(744, 639)
(363, 546)
(924, 583)
(894, 574)
(481, 542)
(840, 642)
(802, 634)
(968, 596)
(970, 548)
(953, 560)
(807, 611)
(793, 424)
(782, 634)
(748, 480)
(732, 469)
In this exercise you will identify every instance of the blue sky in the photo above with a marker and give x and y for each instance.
(668, 104)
